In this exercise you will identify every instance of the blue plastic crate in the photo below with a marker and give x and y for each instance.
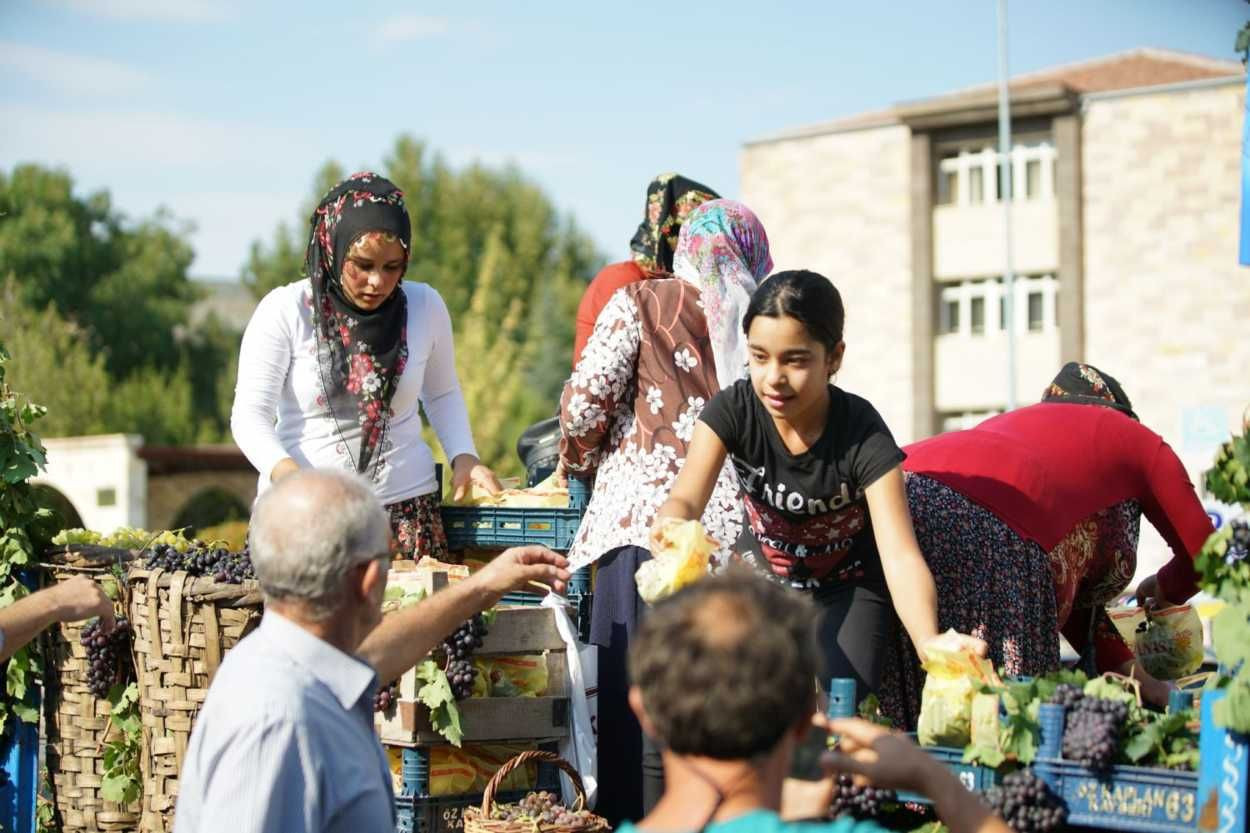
(1138, 798)
(494, 527)
(975, 777)
(19, 777)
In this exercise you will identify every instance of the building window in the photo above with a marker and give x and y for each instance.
(1036, 311)
(976, 185)
(106, 497)
(976, 314)
(973, 174)
(948, 315)
(1032, 179)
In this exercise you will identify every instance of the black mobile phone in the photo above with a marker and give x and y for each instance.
(805, 765)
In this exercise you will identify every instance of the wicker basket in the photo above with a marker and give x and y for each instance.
(478, 819)
(183, 628)
(77, 722)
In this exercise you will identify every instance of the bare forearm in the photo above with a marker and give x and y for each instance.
(958, 808)
(24, 619)
(405, 637)
(914, 595)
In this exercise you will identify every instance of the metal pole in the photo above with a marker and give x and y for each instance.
(1005, 175)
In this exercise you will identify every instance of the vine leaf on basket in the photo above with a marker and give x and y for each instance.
(121, 781)
(436, 695)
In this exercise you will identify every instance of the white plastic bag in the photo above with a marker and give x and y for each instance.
(579, 747)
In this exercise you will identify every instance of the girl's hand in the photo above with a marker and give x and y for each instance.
(657, 531)
(468, 471)
(958, 642)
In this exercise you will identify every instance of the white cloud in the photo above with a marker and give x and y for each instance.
(172, 11)
(72, 73)
(410, 27)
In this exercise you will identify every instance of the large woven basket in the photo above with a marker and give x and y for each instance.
(183, 628)
(77, 723)
(478, 819)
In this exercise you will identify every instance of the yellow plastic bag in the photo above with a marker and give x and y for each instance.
(451, 771)
(1170, 646)
(946, 702)
(518, 675)
(1127, 619)
(680, 559)
(986, 725)
(545, 495)
(488, 758)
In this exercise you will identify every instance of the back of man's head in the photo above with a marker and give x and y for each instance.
(309, 530)
(726, 666)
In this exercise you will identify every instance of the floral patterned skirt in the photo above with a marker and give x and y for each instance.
(418, 526)
(991, 583)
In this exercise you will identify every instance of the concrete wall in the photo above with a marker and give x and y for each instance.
(1166, 305)
(169, 493)
(840, 204)
(971, 370)
(87, 470)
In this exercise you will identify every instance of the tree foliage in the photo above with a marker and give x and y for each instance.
(96, 312)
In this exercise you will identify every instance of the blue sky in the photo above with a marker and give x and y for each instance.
(221, 110)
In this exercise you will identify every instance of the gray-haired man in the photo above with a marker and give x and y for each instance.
(285, 741)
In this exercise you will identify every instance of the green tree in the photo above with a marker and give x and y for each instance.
(510, 269)
(125, 284)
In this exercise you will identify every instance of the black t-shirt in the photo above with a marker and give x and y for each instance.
(808, 510)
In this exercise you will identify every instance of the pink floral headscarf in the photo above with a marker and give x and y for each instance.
(723, 250)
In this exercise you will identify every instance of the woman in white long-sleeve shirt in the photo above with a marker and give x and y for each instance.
(333, 368)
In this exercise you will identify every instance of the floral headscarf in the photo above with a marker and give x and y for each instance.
(361, 353)
(1084, 384)
(670, 199)
(723, 250)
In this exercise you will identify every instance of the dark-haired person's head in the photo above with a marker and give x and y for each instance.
(1083, 384)
(726, 668)
(794, 338)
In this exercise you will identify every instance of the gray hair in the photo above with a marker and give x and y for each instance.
(309, 530)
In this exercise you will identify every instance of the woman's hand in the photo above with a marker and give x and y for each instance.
(1154, 691)
(466, 471)
(1149, 597)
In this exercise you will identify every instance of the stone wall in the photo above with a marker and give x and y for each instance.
(1166, 304)
(169, 493)
(839, 204)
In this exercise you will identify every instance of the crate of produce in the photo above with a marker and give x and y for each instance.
(497, 527)
(183, 628)
(522, 651)
(1121, 797)
(78, 718)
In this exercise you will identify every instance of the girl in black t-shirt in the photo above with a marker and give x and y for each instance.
(821, 479)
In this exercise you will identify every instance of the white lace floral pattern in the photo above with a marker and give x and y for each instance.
(653, 378)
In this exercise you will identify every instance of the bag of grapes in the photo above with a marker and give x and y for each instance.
(953, 678)
(537, 812)
(1170, 645)
(85, 667)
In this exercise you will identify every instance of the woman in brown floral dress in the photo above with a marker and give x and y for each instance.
(660, 350)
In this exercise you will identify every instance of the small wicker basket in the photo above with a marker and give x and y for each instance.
(183, 627)
(77, 721)
(478, 819)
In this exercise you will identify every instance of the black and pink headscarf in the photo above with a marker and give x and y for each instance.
(361, 353)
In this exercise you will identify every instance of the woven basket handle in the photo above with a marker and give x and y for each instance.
(488, 797)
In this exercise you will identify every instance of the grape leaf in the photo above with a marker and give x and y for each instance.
(123, 789)
(1233, 711)
(435, 694)
(1231, 636)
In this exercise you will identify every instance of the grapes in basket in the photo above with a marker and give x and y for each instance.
(543, 807)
